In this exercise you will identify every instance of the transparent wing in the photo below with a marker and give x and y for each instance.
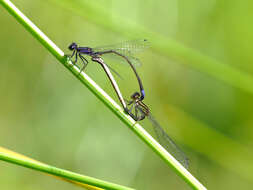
(126, 48)
(168, 143)
(135, 61)
(112, 70)
(110, 57)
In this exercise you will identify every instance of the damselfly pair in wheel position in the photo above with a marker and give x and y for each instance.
(135, 107)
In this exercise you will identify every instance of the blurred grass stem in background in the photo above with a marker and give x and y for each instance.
(74, 177)
(164, 45)
(95, 89)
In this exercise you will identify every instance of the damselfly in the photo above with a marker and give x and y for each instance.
(123, 50)
(138, 111)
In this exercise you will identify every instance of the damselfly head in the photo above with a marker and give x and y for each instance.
(135, 96)
(73, 46)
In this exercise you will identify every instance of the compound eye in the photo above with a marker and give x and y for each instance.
(135, 95)
(72, 46)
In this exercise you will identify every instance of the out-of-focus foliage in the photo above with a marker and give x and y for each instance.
(48, 115)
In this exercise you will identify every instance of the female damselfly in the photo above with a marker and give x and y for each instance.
(139, 111)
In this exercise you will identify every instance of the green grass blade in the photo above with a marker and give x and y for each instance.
(20, 156)
(98, 92)
(59, 172)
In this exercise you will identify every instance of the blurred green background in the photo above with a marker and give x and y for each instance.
(50, 116)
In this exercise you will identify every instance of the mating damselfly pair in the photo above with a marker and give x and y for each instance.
(135, 106)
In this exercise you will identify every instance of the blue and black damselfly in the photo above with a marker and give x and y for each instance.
(124, 50)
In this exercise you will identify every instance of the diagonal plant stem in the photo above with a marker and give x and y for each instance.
(59, 172)
(100, 94)
(18, 156)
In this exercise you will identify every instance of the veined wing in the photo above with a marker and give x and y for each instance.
(114, 71)
(168, 143)
(126, 48)
(111, 57)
